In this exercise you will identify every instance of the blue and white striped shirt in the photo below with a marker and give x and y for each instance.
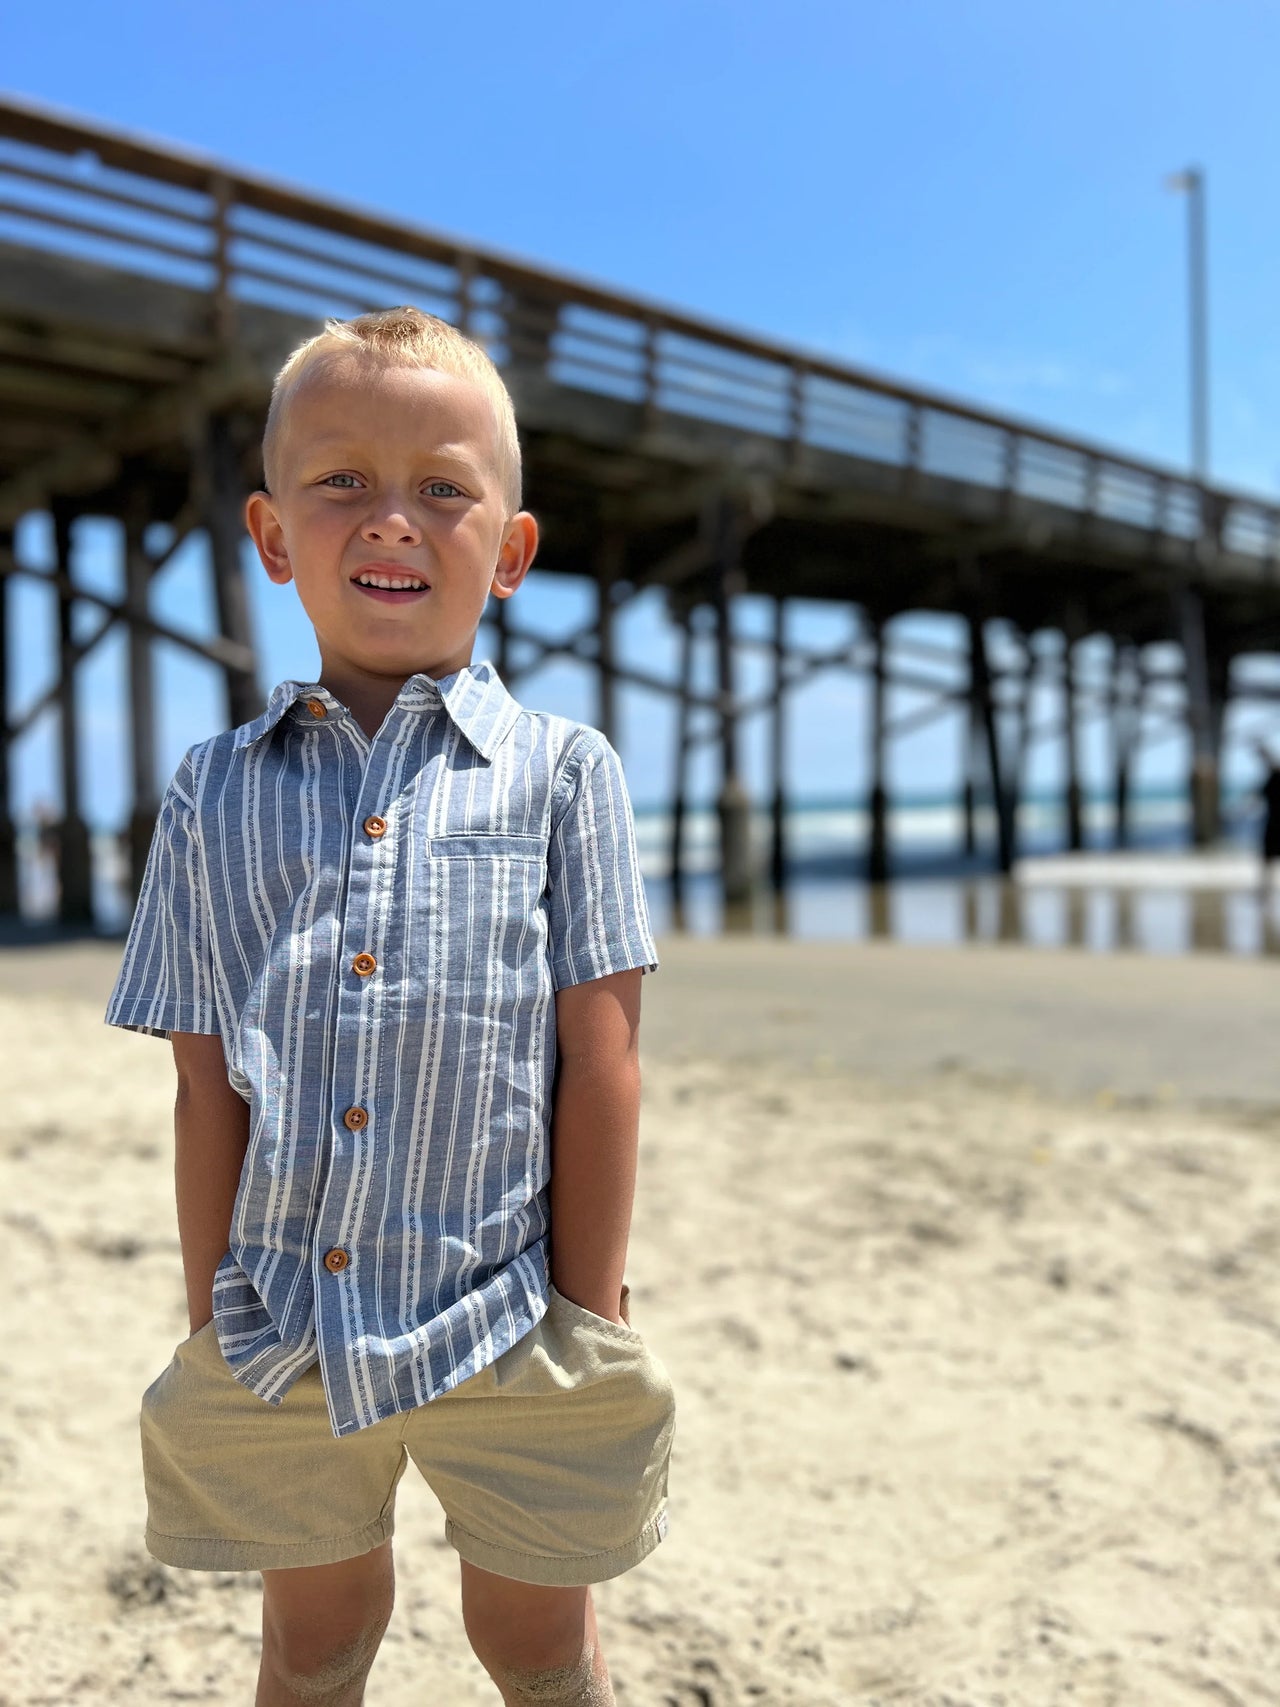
(377, 929)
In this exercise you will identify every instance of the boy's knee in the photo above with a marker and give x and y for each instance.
(585, 1684)
(317, 1672)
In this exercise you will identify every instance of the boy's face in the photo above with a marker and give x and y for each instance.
(390, 474)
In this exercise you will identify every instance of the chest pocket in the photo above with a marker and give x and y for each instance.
(487, 847)
(499, 880)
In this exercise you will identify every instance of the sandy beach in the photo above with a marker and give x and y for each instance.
(963, 1261)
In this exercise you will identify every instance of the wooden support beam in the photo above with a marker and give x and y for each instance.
(142, 717)
(217, 651)
(680, 781)
(679, 565)
(75, 876)
(1015, 783)
(801, 666)
(733, 805)
(877, 799)
(1220, 684)
(583, 644)
(1202, 724)
(778, 752)
(8, 838)
(1127, 688)
(1071, 731)
(85, 461)
(943, 703)
(51, 391)
(538, 648)
(610, 559)
(223, 494)
(81, 650)
(78, 353)
(531, 315)
(1005, 837)
(972, 751)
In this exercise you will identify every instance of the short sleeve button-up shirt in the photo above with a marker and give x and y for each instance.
(377, 929)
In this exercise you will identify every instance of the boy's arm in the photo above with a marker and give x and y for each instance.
(211, 1135)
(595, 1126)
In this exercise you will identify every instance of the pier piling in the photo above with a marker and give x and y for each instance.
(1203, 718)
(877, 799)
(778, 752)
(224, 492)
(142, 724)
(75, 877)
(8, 837)
(733, 804)
(610, 557)
(1071, 635)
(680, 768)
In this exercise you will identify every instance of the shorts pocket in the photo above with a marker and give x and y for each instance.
(184, 1349)
(600, 1324)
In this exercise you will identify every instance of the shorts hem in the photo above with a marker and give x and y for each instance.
(570, 1570)
(200, 1553)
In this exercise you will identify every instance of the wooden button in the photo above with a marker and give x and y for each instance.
(375, 827)
(336, 1260)
(355, 1118)
(364, 964)
(317, 708)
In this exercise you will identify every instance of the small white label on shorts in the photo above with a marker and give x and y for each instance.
(662, 1526)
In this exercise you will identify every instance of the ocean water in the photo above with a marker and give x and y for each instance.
(937, 894)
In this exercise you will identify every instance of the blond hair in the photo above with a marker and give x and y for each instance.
(401, 337)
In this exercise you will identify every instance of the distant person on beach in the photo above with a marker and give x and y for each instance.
(1269, 794)
(395, 930)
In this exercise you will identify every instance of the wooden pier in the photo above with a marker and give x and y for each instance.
(147, 296)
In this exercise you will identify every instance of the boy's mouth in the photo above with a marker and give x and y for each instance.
(391, 586)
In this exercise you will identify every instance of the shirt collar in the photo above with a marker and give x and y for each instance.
(474, 697)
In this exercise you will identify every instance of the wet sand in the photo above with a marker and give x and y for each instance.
(963, 1262)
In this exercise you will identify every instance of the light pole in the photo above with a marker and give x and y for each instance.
(1192, 182)
(1204, 726)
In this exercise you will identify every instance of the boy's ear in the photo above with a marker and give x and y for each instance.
(516, 553)
(268, 536)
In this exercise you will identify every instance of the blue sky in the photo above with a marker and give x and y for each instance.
(971, 198)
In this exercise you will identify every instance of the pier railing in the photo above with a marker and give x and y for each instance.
(90, 193)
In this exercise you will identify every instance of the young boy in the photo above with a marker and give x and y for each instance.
(395, 931)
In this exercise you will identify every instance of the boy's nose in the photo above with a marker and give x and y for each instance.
(392, 528)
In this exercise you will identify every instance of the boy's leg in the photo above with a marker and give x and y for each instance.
(539, 1645)
(321, 1626)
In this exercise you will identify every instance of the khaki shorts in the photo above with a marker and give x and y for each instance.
(550, 1464)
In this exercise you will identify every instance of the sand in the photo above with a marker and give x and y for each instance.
(964, 1265)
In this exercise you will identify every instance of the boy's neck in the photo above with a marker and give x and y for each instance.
(368, 695)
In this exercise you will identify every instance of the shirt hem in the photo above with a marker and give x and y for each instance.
(588, 974)
(141, 1016)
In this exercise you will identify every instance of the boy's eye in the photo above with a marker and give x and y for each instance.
(330, 477)
(449, 489)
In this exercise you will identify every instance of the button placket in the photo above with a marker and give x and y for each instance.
(367, 876)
